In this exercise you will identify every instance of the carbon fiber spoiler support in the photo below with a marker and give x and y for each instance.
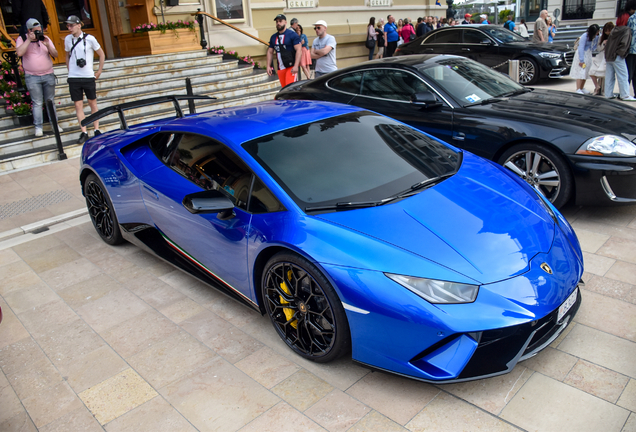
(119, 109)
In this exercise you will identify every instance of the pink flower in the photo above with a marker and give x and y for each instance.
(27, 93)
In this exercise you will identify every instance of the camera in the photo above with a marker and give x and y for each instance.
(80, 62)
(39, 35)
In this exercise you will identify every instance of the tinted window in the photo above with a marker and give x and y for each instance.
(447, 36)
(351, 158)
(348, 83)
(474, 36)
(391, 84)
(262, 200)
(211, 165)
(469, 82)
(504, 35)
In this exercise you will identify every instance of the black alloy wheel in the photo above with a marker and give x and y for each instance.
(304, 308)
(101, 211)
(528, 71)
(543, 169)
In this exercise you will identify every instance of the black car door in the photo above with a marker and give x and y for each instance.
(445, 41)
(481, 48)
(388, 91)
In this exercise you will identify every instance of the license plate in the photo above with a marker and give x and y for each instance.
(567, 304)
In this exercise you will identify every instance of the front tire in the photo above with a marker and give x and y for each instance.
(529, 73)
(304, 308)
(543, 169)
(101, 211)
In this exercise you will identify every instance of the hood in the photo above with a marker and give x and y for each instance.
(599, 116)
(541, 46)
(479, 223)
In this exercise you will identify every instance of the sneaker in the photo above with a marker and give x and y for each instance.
(580, 91)
(628, 99)
(38, 132)
(97, 132)
(585, 91)
(82, 138)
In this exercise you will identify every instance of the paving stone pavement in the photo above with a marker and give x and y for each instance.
(102, 338)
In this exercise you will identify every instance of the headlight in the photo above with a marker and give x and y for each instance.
(435, 291)
(550, 55)
(608, 145)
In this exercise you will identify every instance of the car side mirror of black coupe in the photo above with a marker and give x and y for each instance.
(210, 201)
(426, 99)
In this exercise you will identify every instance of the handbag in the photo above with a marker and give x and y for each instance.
(370, 43)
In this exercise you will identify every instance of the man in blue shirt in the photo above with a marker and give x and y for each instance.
(483, 19)
(391, 37)
(510, 24)
(286, 44)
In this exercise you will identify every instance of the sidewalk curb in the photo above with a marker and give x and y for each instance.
(30, 228)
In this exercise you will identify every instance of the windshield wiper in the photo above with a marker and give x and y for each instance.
(485, 101)
(516, 92)
(346, 205)
(417, 187)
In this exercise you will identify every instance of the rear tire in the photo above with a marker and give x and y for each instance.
(101, 211)
(542, 168)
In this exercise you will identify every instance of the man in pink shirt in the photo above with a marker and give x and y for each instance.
(36, 52)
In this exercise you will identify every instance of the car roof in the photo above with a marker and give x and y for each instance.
(244, 123)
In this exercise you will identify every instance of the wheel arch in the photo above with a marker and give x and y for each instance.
(84, 174)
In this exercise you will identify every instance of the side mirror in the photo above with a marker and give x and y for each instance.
(426, 99)
(486, 42)
(210, 201)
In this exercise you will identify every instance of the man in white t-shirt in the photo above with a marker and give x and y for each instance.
(79, 48)
(323, 50)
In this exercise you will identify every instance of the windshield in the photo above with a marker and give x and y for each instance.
(503, 35)
(469, 82)
(358, 158)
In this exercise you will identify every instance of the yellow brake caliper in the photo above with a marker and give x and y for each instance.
(289, 313)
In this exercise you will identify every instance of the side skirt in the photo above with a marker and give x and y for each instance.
(153, 241)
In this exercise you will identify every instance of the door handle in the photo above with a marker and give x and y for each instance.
(153, 193)
(459, 136)
(465, 49)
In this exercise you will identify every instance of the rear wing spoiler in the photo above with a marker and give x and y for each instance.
(119, 109)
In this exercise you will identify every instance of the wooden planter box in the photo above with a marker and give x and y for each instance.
(155, 42)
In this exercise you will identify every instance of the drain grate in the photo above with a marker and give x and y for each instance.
(37, 202)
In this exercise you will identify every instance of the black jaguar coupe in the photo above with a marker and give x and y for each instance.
(568, 146)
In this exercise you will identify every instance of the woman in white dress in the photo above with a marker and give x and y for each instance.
(597, 71)
(583, 58)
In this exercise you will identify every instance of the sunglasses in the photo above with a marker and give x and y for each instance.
(317, 28)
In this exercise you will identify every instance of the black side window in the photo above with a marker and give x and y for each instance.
(474, 37)
(262, 200)
(348, 83)
(447, 37)
(392, 84)
(210, 165)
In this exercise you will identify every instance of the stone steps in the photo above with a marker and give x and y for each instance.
(132, 79)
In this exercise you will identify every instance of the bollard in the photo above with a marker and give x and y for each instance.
(58, 141)
(513, 70)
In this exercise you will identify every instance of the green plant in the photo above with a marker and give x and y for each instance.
(503, 15)
(21, 108)
(168, 25)
(220, 49)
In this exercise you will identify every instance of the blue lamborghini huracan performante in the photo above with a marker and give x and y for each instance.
(353, 232)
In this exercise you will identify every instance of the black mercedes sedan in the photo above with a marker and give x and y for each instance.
(564, 144)
(493, 45)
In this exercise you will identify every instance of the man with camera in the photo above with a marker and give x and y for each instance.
(36, 51)
(79, 48)
(286, 44)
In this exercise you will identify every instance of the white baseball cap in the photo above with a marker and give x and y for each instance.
(320, 23)
(483, 16)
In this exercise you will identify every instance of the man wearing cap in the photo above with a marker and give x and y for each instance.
(36, 51)
(286, 44)
(467, 18)
(540, 33)
(323, 50)
(483, 19)
(79, 48)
